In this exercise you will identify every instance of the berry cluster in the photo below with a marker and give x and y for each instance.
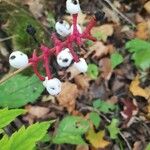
(63, 50)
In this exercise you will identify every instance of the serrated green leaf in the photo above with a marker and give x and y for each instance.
(26, 138)
(136, 45)
(3, 143)
(72, 128)
(94, 117)
(116, 59)
(20, 90)
(93, 71)
(7, 116)
(148, 147)
(68, 139)
(142, 59)
(103, 106)
(113, 128)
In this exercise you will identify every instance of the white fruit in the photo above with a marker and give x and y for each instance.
(53, 86)
(18, 59)
(62, 28)
(64, 58)
(78, 28)
(81, 65)
(73, 6)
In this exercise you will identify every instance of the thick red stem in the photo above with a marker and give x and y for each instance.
(34, 61)
(46, 56)
(75, 56)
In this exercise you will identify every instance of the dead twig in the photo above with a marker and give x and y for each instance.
(119, 13)
(13, 74)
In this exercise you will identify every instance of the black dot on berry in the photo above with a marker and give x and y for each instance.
(75, 2)
(61, 21)
(13, 57)
(65, 60)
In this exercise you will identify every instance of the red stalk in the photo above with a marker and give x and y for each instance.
(59, 45)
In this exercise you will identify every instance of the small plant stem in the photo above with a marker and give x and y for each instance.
(14, 73)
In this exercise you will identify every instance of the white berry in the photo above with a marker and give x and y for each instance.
(73, 6)
(81, 65)
(53, 86)
(64, 58)
(78, 28)
(18, 59)
(62, 28)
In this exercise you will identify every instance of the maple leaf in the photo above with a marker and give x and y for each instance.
(130, 109)
(113, 128)
(97, 139)
(136, 90)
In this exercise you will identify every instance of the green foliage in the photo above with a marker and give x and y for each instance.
(25, 138)
(116, 59)
(141, 53)
(103, 106)
(89, 43)
(20, 90)
(3, 143)
(70, 130)
(17, 18)
(7, 116)
(100, 36)
(142, 59)
(136, 45)
(113, 129)
(148, 147)
(93, 71)
(94, 117)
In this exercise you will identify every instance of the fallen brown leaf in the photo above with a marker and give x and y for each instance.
(97, 139)
(98, 50)
(68, 95)
(147, 7)
(106, 68)
(82, 81)
(37, 111)
(106, 29)
(142, 31)
(136, 90)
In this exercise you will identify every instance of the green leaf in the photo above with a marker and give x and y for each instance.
(4, 143)
(100, 36)
(93, 71)
(26, 138)
(116, 59)
(142, 59)
(136, 45)
(7, 116)
(103, 106)
(20, 90)
(17, 23)
(141, 54)
(113, 129)
(89, 43)
(94, 117)
(70, 130)
(148, 147)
